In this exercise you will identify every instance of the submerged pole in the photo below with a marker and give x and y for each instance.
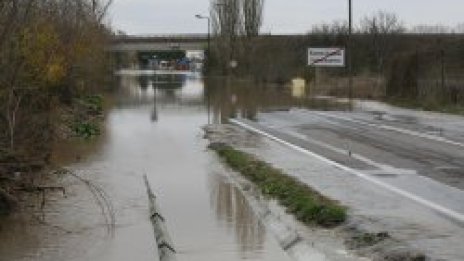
(164, 243)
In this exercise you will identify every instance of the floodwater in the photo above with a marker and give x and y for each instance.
(154, 128)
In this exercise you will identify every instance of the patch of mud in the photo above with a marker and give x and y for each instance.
(357, 239)
(362, 240)
(380, 245)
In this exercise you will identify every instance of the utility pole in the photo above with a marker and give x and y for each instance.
(208, 52)
(442, 60)
(350, 54)
(208, 56)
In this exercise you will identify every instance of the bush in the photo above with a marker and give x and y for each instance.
(86, 129)
(92, 104)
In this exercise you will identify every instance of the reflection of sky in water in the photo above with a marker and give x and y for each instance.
(225, 97)
(161, 89)
(194, 88)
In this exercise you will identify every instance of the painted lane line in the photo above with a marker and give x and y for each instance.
(382, 168)
(395, 129)
(443, 210)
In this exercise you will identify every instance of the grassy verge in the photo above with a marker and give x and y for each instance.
(433, 107)
(307, 205)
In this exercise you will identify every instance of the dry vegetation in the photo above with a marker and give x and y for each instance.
(51, 55)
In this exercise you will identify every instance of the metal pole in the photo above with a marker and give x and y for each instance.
(208, 53)
(164, 243)
(350, 54)
(209, 38)
(208, 64)
(442, 59)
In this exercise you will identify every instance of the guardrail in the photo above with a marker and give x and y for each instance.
(164, 243)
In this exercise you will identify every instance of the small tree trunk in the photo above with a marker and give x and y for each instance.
(14, 102)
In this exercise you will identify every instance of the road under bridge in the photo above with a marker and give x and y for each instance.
(150, 43)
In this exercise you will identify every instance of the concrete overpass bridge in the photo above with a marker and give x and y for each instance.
(153, 43)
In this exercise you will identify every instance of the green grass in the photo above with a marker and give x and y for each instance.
(306, 204)
(87, 115)
(95, 102)
(86, 130)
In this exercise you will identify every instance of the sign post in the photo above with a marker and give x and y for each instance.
(326, 57)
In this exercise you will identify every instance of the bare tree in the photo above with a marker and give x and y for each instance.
(235, 24)
(335, 28)
(100, 8)
(431, 29)
(15, 14)
(226, 21)
(252, 16)
(459, 29)
(381, 28)
(226, 17)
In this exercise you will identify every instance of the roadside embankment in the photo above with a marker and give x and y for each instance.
(20, 168)
(309, 206)
(82, 119)
(334, 229)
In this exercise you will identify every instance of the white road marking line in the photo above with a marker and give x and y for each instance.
(395, 129)
(443, 210)
(383, 168)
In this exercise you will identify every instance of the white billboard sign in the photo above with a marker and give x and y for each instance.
(326, 57)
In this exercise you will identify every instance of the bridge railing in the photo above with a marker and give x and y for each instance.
(159, 37)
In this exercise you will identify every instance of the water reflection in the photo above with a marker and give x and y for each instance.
(233, 211)
(159, 90)
(224, 97)
(230, 98)
(154, 128)
(168, 81)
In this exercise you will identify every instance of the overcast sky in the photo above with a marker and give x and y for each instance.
(280, 16)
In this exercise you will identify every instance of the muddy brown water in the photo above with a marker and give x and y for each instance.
(154, 129)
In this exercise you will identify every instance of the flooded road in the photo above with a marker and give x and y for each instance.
(154, 129)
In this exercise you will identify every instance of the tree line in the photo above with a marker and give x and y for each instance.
(51, 51)
(390, 60)
(418, 64)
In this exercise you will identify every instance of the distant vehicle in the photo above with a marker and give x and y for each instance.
(164, 65)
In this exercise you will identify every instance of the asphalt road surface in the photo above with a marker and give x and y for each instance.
(417, 156)
(398, 170)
